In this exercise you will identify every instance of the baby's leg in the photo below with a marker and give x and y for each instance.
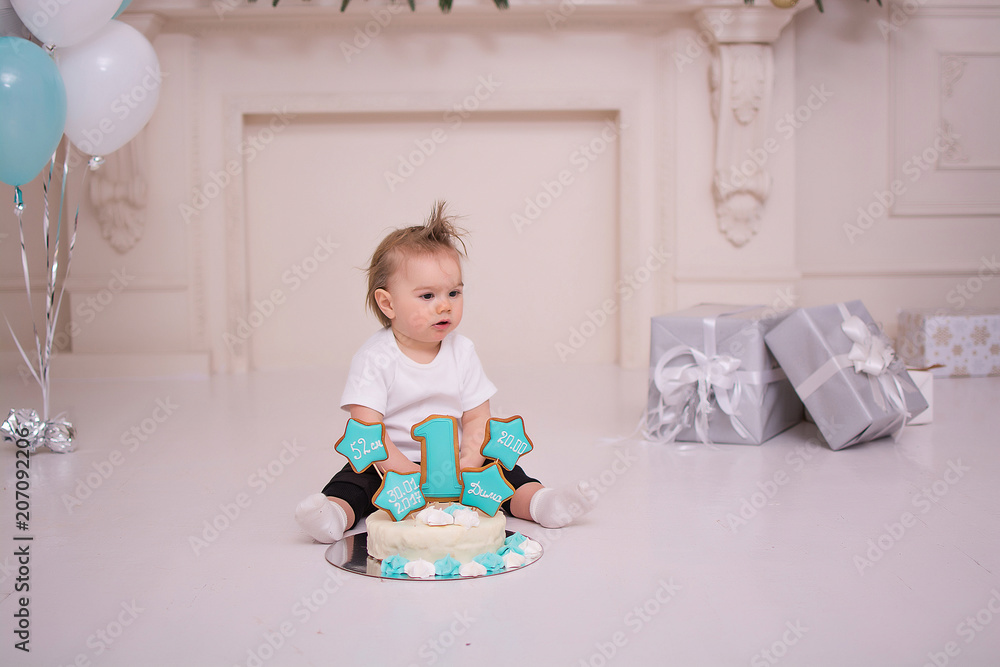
(550, 508)
(346, 498)
(324, 518)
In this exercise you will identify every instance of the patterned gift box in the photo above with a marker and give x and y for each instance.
(846, 372)
(712, 379)
(965, 344)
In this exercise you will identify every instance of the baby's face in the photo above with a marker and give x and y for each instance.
(426, 295)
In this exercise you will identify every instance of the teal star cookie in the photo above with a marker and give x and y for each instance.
(506, 441)
(399, 494)
(485, 488)
(363, 444)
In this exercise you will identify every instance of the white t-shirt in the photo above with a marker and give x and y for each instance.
(406, 392)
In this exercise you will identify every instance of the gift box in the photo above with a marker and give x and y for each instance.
(964, 344)
(846, 372)
(923, 380)
(712, 379)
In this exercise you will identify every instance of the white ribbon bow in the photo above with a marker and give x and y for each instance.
(693, 385)
(872, 354)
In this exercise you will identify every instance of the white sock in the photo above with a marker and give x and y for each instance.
(554, 508)
(323, 520)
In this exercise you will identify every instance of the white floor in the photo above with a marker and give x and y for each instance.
(882, 554)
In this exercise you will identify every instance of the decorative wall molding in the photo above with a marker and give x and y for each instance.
(742, 82)
(634, 314)
(944, 159)
(118, 194)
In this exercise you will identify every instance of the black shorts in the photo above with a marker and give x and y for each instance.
(359, 488)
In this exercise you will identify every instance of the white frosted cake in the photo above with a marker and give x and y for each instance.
(433, 533)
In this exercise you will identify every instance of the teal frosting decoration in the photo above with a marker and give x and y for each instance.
(451, 509)
(512, 543)
(362, 444)
(506, 441)
(446, 567)
(491, 561)
(393, 566)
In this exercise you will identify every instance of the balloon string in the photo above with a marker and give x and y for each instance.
(52, 303)
(94, 164)
(19, 211)
(51, 267)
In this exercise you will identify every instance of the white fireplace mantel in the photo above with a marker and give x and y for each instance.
(231, 63)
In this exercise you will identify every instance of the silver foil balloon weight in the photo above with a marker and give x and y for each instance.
(28, 431)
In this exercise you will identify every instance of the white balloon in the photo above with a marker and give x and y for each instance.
(65, 22)
(112, 87)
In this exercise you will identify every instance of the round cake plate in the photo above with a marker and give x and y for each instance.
(351, 554)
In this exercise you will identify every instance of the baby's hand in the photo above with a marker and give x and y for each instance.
(472, 460)
(405, 466)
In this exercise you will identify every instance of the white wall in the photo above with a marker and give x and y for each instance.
(883, 68)
(272, 135)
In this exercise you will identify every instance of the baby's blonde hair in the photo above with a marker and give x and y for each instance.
(437, 234)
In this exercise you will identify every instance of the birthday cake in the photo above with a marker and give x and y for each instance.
(435, 532)
(419, 531)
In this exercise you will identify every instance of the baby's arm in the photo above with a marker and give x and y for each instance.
(396, 461)
(473, 433)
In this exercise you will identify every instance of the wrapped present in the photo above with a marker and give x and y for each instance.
(712, 379)
(962, 344)
(846, 372)
(923, 379)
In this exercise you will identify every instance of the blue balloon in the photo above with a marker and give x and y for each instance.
(32, 109)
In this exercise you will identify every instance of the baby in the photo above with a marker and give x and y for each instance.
(415, 367)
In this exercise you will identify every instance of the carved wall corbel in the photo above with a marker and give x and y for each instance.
(742, 82)
(118, 194)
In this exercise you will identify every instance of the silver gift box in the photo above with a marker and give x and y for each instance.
(850, 405)
(709, 364)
